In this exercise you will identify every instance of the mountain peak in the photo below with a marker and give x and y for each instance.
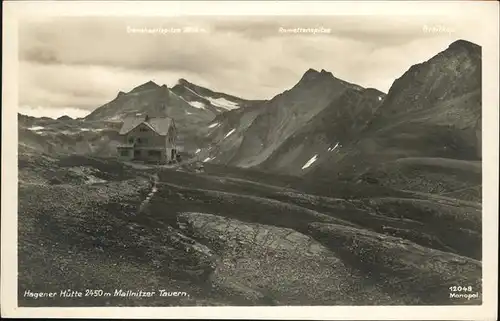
(310, 74)
(183, 81)
(64, 117)
(311, 71)
(313, 74)
(462, 44)
(146, 86)
(326, 73)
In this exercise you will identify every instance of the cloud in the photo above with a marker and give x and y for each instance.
(52, 112)
(83, 62)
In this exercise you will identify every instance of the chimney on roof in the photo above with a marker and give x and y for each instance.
(147, 117)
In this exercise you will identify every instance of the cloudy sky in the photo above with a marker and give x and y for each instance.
(74, 65)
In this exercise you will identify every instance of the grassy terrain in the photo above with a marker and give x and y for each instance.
(229, 236)
(460, 179)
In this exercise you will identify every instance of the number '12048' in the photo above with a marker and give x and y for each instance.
(460, 288)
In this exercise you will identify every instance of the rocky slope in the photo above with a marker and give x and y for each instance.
(65, 136)
(152, 99)
(344, 118)
(223, 136)
(186, 102)
(263, 129)
(229, 237)
(429, 119)
(286, 113)
(325, 126)
(205, 98)
(191, 106)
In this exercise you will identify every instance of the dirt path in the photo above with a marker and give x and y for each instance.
(154, 189)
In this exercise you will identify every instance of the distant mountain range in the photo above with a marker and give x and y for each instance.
(431, 115)
(319, 103)
(327, 128)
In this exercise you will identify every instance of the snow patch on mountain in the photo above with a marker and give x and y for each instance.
(217, 102)
(197, 104)
(36, 128)
(230, 132)
(213, 125)
(91, 129)
(223, 103)
(331, 149)
(117, 117)
(187, 102)
(310, 162)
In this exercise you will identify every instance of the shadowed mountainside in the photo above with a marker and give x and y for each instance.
(273, 122)
(326, 128)
(153, 100)
(428, 123)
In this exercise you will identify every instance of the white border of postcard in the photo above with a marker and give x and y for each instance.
(485, 11)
